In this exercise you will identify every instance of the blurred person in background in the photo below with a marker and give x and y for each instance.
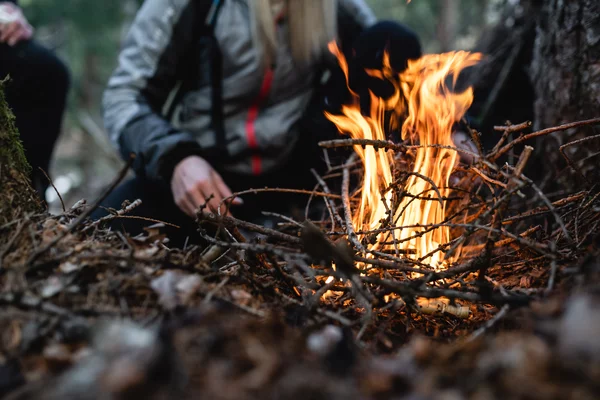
(37, 90)
(216, 97)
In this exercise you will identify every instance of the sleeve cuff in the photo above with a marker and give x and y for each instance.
(169, 161)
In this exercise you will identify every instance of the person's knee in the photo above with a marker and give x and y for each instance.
(44, 66)
(59, 75)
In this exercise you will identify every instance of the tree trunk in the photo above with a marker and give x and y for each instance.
(565, 71)
(17, 197)
(543, 64)
(448, 24)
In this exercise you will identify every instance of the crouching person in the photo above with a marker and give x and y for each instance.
(216, 97)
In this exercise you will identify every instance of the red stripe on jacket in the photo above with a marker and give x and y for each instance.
(265, 88)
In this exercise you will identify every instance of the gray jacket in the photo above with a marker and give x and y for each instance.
(261, 106)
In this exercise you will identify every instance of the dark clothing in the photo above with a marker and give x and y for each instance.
(37, 94)
(158, 203)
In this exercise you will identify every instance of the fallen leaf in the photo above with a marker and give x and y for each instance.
(68, 267)
(175, 288)
(187, 287)
(52, 286)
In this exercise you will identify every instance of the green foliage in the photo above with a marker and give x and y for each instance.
(87, 35)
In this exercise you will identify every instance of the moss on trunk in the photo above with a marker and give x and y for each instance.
(17, 197)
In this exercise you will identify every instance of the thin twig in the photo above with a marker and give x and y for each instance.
(62, 203)
(347, 212)
(12, 241)
(524, 138)
(110, 217)
(230, 222)
(489, 324)
(328, 200)
(83, 216)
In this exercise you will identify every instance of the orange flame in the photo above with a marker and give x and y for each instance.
(430, 109)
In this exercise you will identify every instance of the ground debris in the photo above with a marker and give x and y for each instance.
(302, 311)
(221, 354)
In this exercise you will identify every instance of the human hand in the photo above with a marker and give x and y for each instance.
(194, 181)
(13, 24)
(462, 141)
(468, 156)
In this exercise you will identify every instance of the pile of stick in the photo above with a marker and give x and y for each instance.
(517, 244)
(61, 274)
(515, 240)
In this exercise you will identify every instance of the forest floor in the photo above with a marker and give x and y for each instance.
(89, 312)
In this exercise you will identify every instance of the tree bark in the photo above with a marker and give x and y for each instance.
(448, 24)
(17, 197)
(543, 64)
(565, 70)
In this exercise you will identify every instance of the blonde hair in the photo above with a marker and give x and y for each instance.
(312, 25)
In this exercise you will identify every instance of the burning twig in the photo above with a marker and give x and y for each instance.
(377, 144)
(349, 227)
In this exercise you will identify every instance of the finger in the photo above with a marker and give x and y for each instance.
(8, 30)
(185, 206)
(225, 193)
(26, 33)
(17, 36)
(190, 208)
(224, 189)
(214, 198)
(181, 200)
(195, 196)
(217, 205)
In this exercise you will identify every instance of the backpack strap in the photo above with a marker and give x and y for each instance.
(205, 46)
(209, 41)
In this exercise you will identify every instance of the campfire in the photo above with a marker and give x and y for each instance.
(423, 229)
(427, 110)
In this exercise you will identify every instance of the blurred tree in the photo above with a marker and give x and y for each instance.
(448, 24)
(86, 33)
(542, 66)
(442, 25)
(565, 70)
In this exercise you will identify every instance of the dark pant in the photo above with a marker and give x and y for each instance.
(158, 204)
(37, 94)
